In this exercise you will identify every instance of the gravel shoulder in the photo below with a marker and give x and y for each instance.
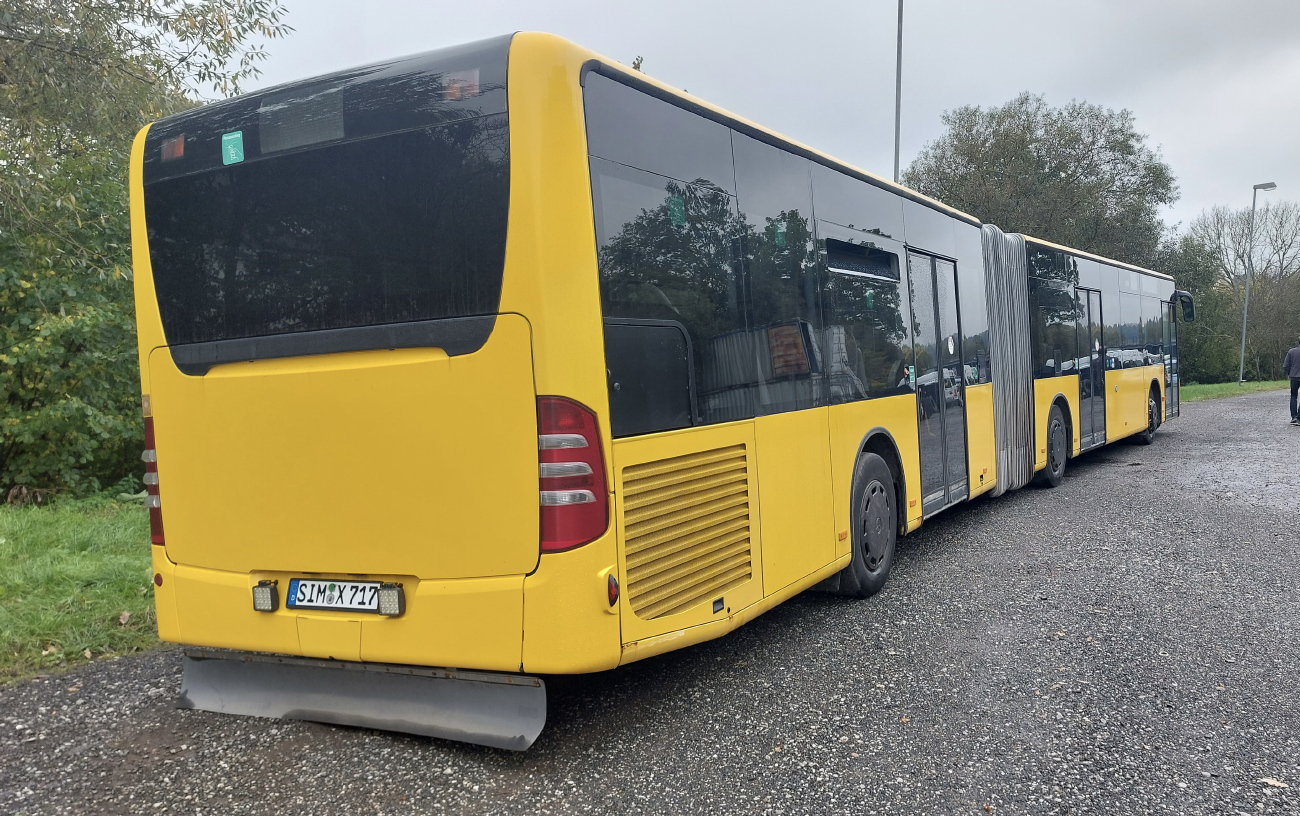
(1126, 643)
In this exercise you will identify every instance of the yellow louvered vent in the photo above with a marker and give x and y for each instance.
(686, 528)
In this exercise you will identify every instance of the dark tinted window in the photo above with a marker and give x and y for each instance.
(650, 369)
(1053, 327)
(1130, 329)
(849, 202)
(974, 311)
(666, 252)
(1153, 336)
(929, 229)
(774, 191)
(1051, 264)
(1108, 278)
(866, 343)
(405, 227)
(437, 87)
(633, 128)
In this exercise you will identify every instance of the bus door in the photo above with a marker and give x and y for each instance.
(940, 384)
(1092, 382)
(1171, 362)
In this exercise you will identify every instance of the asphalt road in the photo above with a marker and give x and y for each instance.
(1126, 643)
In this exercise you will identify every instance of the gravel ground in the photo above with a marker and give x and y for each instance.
(1123, 644)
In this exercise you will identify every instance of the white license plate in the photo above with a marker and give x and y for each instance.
(352, 596)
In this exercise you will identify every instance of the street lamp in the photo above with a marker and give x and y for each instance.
(898, 90)
(1250, 268)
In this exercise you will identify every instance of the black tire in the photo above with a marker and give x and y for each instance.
(874, 528)
(1153, 420)
(1058, 449)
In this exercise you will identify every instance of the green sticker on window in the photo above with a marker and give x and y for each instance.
(677, 210)
(871, 298)
(232, 147)
(779, 234)
(911, 374)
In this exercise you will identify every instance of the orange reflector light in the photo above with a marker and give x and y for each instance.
(173, 148)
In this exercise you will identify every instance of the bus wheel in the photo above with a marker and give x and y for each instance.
(875, 528)
(1153, 420)
(1057, 449)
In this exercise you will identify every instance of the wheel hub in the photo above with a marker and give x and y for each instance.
(1056, 448)
(875, 524)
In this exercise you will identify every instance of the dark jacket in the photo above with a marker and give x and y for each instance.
(1291, 365)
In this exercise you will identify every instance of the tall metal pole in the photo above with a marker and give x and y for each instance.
(1250, 268)
(898, 91)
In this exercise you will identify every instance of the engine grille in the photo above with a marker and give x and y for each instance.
(686, 530)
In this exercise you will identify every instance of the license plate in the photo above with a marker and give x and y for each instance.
(351, 596)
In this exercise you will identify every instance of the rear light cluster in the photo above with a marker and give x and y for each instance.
(152, 500)
(571, 475)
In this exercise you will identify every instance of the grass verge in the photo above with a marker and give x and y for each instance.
(74, 584)
(1196, 392)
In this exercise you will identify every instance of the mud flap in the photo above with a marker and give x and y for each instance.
(497, 710)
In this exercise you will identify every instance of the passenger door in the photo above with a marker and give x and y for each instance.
(1092, 381)
(940, 386)
(1171, 362)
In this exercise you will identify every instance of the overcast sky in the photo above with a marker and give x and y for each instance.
(1214, 83)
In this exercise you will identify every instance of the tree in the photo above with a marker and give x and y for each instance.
(1080, 175)
(77, 80)
(1211, 262)
(1207, 348)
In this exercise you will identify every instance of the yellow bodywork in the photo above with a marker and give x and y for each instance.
(331, 465)
(1046, 392)
(1126, 399)
(982, 458)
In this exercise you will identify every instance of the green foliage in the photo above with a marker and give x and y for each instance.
(77, 80)
(1079, 175)
(70, 415)
(1196, 392)
(71, 570)
(1207, 348)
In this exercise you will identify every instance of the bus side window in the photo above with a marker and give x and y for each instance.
(1130, 318)
(774, 193)
(664, 252)
(867, 333)
(650, 382)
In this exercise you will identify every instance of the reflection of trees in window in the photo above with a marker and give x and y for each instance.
(866, 337)
(780, 263)
(675, 262)
(1055, 314)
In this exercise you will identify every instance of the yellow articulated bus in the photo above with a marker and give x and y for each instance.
(503, 361)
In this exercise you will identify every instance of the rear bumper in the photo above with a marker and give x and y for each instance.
(470, 623)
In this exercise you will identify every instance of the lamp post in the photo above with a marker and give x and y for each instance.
(1250, 268)
(898, 90)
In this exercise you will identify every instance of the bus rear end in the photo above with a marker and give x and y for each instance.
(341, 410)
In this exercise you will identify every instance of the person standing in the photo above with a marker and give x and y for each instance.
(1291, 365)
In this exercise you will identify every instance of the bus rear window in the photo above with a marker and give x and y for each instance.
(373, 200)
(405, 227)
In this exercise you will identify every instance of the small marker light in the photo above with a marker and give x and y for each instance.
(173, 148)
(613, 590)
(266, 598)
(391, 600)
(157, 579)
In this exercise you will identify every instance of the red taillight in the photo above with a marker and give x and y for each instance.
(153, 501)
(571, 475)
